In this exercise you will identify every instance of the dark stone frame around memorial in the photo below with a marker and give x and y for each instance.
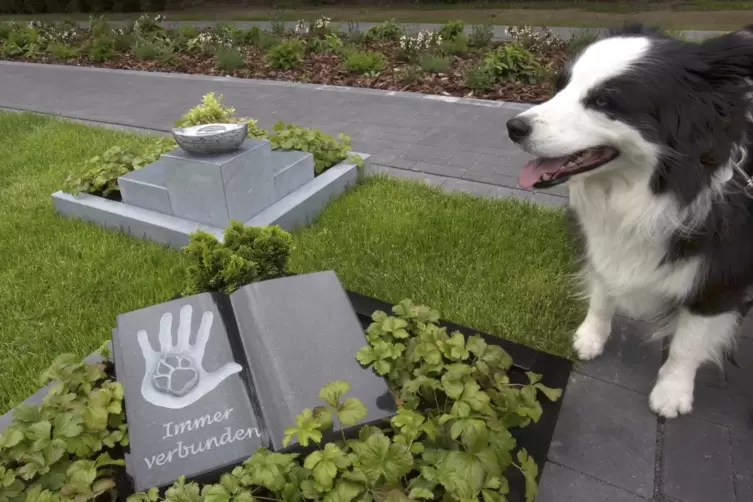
(536, 438)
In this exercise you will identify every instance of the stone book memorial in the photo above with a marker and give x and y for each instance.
(210, 378)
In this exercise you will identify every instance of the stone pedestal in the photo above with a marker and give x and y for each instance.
(214, 189)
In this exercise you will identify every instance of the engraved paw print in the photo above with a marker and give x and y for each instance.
(176, 374)
(174, 377)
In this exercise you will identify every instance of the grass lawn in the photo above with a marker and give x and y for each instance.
(688, 14)
(498, 266)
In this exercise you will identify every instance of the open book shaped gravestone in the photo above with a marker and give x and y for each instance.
(210, 378)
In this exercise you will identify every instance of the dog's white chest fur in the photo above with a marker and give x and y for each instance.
(626, 232)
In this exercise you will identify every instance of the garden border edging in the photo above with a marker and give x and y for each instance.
(298, 208)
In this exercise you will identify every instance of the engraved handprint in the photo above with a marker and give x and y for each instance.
(174, 377)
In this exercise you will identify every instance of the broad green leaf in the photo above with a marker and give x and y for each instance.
(215, 493)
(10, 437)
(530, 470)
(95, 418)
(550, 393)
(344, 491)
(68, 425)
(306, 428)
(365, 355)
(421, 493)
(333, 392)
(351, 412)
(380, 458)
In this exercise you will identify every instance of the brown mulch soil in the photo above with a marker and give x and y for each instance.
(326, 68)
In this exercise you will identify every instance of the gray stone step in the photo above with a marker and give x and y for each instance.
(292, 169)
(147, 187)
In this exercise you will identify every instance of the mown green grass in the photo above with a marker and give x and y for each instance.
(497, 266)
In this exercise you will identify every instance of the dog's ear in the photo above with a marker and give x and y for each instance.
(730, 56)
(628, 29)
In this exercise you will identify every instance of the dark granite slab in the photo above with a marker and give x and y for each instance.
(188, 407)
(300, 333)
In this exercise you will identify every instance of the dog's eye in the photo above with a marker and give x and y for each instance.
(601, 102)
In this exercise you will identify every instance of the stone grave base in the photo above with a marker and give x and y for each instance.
(298, 208)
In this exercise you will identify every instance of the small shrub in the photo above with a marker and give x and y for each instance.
(434, 64)
(450, 30)
(456, 46)
(411, 47)
(267, 41)
(102, 49)
(5, 29)
(409, 74)
(155, 49)
(22, 35)
(327, 150)
(481, 36)
(365, 63)
(252, 36)
(100, 173)
(277, 25)
(229, 59)
(387, 30)
(247, 254)
(513, 63)
(212, 110)
(123, 42)
(184, 33)
(580, 40)
(479, 78)
(145, 50)
(98, 27)
(543, 41)
(62, 51)
(331, 43)
(286, 55)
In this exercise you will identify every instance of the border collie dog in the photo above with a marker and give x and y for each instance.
(654, 137)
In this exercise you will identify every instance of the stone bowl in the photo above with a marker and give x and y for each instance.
(211, 138)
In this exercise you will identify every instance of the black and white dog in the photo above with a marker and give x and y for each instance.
(654, 137)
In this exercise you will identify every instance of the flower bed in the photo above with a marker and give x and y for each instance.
(460, 398)
(449, 61)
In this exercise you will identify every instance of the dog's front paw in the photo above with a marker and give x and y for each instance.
(590, 339)
(672, 396)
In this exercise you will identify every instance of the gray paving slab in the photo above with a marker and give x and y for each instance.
(561, 484)
(697, 461)
(743, 488)
(629, 360)
(608, 433)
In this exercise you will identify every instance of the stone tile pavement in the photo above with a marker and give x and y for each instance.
(608, 445)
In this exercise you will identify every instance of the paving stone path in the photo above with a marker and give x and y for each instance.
(607, 446)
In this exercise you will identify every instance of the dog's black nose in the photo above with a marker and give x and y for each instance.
(518, 129)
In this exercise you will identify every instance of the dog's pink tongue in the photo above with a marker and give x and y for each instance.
(534, 169)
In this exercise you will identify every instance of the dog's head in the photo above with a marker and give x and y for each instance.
(638, 99)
